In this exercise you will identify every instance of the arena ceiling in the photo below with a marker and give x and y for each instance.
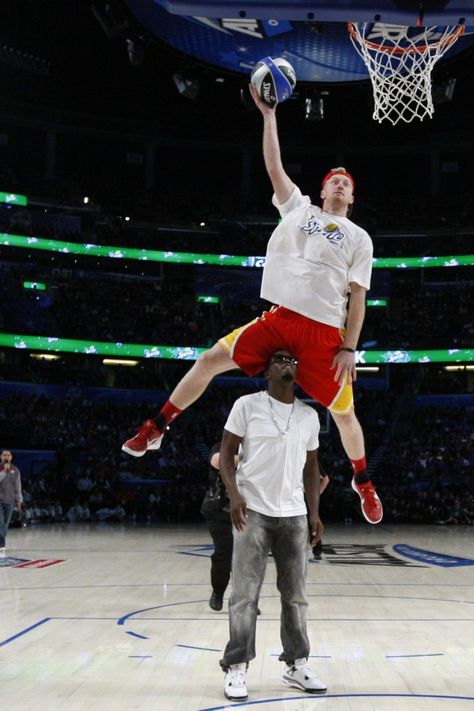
(112, 58)
(312, 36)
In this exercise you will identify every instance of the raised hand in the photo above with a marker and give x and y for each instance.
(261, 105)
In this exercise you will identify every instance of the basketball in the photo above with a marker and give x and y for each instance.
(274, 80)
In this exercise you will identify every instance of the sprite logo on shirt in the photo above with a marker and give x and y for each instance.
(332, 232)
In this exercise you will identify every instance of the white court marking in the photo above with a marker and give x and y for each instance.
(124, 623)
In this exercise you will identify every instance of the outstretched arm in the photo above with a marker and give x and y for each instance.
(282, 185)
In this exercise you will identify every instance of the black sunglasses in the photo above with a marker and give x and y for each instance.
(283, 358)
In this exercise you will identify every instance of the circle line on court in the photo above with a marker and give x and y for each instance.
(307, 697)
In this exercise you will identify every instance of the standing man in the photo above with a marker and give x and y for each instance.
(10, 494)
(278, 435)
(216, 510)
(317, 272)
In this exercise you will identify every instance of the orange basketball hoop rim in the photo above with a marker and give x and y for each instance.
(453, 35)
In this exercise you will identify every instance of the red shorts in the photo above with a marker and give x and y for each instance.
(314, 344)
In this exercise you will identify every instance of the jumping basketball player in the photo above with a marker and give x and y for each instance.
(317, 270)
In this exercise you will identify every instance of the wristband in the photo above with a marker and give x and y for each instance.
(350, 350)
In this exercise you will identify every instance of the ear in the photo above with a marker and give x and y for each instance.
(322, 194)
(351, 201)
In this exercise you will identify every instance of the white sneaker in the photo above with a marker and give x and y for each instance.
(235, 687)
(3, 552)
(301, 677)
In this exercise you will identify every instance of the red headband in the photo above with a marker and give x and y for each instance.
(338, 171)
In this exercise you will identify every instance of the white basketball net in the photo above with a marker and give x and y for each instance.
(400, 61)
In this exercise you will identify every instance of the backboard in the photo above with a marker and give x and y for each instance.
(312, 36)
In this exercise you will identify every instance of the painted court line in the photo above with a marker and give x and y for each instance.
(39, 563)
(272, 585)
(205, 649)
(311, 656)
(338, 696)
(409, 656)
(25, 631)
(224, 618)
(135, 634)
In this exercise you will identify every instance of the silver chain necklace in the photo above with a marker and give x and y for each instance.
(272, 413)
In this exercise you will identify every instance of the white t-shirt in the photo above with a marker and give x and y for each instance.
(312, 256)
(270, 470)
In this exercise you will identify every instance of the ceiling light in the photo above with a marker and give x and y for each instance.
(45, 356)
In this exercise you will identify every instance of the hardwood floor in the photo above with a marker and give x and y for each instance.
(123, 621)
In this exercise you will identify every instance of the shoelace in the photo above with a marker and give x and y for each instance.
(146, 428)
(368, 491)
(308, 672)
(142, 428)
(237, 677)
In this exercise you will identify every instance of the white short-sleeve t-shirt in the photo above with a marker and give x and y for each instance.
(270, 471)
(312, 256)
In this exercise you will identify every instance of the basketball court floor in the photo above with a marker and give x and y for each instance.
(117, 617)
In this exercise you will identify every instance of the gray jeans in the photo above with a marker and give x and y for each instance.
(6, 511)
(287, 539)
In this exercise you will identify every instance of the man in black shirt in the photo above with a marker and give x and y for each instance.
(215, 509)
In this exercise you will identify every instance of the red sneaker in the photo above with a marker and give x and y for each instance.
(369, 501)
(148, 437)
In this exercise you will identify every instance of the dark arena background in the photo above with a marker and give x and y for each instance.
(135, 211)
